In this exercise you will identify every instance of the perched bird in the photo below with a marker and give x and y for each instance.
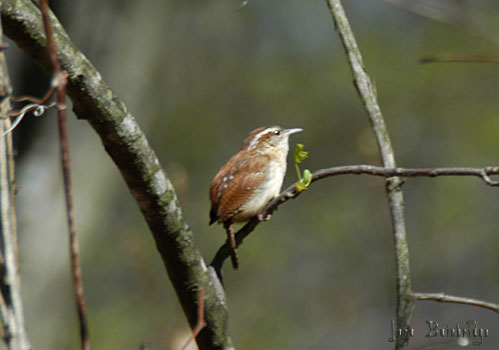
(249, 180)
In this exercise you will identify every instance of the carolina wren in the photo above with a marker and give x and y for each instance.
(249, 180)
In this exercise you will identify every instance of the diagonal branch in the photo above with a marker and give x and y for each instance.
(292, 192)
(128, 147)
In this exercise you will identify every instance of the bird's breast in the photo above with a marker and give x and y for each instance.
(268, 189)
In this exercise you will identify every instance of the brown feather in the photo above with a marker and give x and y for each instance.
(235, 184)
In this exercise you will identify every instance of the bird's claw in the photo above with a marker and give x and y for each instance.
(263, 217)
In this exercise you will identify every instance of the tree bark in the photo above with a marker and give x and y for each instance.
(128, 147)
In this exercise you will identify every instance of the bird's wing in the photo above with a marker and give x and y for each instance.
(232, 189)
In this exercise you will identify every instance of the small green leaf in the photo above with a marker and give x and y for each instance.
(300, 155)
(307, 178)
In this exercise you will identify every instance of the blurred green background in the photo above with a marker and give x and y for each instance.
(199, 76)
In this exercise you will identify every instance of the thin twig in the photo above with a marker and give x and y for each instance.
(32, 99)
(460, 59)
(201, 322)
(59, 82)
(291, 192)
(455, 299)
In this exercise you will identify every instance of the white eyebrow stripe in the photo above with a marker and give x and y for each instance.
(258, 136)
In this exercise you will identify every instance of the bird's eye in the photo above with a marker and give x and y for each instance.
(277, 132)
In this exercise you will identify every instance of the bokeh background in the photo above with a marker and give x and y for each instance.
(199, 76)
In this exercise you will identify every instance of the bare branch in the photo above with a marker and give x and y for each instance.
(59, 83)
(367, 93)
(455, 299)
(292, 192)
(483, 173)
(11, 307)
(38, 101)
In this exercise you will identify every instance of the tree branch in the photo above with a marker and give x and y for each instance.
(291, 192)
(11, 307)
(455, 299)
(59, 83)
(122, 138)
(367, 93)
(483, 173)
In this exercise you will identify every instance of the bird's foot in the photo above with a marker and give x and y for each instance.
(263, 217)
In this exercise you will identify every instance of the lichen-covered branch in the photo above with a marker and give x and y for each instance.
(367, 93)
(11, 306)
(122, 138)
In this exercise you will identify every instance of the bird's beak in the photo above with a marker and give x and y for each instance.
(292, 131)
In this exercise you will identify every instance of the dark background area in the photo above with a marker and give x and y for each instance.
(199, 76)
